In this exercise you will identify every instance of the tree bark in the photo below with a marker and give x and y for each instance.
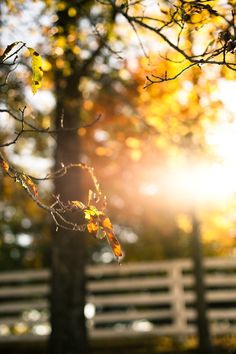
(69, 335)
(68, 289)
(68, 247)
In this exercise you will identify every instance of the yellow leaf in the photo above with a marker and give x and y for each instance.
(91, 212)
(87, 214)
(36, 69)
(94, 210)
(78, 204)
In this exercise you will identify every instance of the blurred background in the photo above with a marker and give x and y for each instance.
(164, 154)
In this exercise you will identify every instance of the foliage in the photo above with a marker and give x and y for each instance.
(163, 123)
(37, 71)
(96, 220)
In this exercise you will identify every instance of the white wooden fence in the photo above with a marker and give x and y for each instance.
(135, 299)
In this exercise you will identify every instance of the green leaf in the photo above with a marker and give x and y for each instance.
(36, 69)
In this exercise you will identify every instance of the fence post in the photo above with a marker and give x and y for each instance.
(204, 337)
(178, 302)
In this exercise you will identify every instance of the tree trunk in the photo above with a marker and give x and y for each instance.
(68, 247)
(68, 294)
(69, 334)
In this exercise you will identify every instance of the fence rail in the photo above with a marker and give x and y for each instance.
(138, 299)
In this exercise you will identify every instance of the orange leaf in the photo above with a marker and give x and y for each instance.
(107, 223)
(115, 244)
(92, 227)
(31, 184)
(5, 165)
(35, 190)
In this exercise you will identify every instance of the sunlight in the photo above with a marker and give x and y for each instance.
(214, 180)
(149, 189)
(227, 89)
(221, 138)
(200, 184)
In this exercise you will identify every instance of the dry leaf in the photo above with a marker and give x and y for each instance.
(5, 165)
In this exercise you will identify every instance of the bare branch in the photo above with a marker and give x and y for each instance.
(158, 79)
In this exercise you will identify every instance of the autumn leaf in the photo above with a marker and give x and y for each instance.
(92, 227)
(78, 204)
(115, 244)
(5, 165)
(31, 185)
(36, 69)
(34, 189)
(91, 212)
(107, 223)
(100, 224)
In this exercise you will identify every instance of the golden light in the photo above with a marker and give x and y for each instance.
(211, 180)
(187, 180)
(200, 184)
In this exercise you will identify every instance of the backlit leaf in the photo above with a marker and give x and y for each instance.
(5, 165)
(87, 214)
(78, 204)
(91, 212)
(100, 224)
(31, 185)
(115, 244)
(92, 227)
(36, 69)
(107, 223)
